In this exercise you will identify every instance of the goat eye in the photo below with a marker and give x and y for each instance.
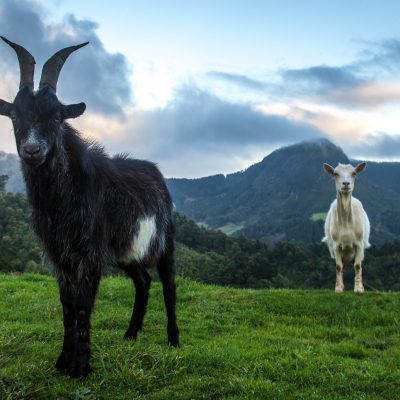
(13, 117)
(56, 119)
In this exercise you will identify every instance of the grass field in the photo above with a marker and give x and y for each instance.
(318, 216)
(230, 229)
(235, 344)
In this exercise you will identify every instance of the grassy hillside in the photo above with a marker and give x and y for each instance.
(236, 344)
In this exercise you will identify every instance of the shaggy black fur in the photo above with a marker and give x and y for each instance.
(86, 209)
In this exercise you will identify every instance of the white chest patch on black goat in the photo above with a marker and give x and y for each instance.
(142, 240)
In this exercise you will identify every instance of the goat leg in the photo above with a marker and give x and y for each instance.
(64, 361)
(78, 301)
(358, 285)
(166, 271)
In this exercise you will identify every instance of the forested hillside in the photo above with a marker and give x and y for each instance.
(211, 256)
(9, 165)
(19, 249)
(285, 197)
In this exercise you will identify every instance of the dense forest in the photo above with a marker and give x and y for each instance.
(210, 256)
(19, 249)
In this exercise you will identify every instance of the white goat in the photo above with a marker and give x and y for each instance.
(347, 226)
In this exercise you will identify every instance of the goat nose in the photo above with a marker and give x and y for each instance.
(32, 149)
(346, 183)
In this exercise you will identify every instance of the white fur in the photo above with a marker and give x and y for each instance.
(32, 136)
(347, 228)
(142, 241)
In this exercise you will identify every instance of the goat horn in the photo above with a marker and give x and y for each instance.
(52, 67)
(26, 64)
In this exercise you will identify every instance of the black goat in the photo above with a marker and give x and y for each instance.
(89, 210)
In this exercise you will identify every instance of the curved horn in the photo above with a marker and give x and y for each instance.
(26, 64)
(51, 70)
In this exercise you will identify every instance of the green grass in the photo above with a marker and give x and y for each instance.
(235, 344)
(230, 229)
(318, 216)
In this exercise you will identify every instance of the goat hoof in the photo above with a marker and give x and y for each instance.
(173, 343)
(130, 335)
(359, 290)
(80, 371)
(72, 368)
(338, 289)
(62, 364)
(173, 337)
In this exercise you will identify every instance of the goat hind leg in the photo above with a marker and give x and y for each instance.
(166, 271)
(141, 280)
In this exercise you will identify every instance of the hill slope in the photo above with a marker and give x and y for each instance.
(286, 195)
(236, 344)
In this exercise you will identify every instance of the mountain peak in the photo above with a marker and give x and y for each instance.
(325, 146)
(312, 152)
(322, 146)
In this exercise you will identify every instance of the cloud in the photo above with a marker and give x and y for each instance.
(380, 59)
(369, 81)
(366, 96)
(338, 124)
(208, 119)
(320, 79)
(379, 145)
(240, 80)
(93, 75)
(199, 133)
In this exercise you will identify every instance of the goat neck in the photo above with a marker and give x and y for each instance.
(344, 208)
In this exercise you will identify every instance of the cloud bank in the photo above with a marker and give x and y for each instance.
(200, 134)
(381, 146)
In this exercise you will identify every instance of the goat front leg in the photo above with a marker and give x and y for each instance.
(358, 285)
(78, 301)
(339, 287)
(65, 359)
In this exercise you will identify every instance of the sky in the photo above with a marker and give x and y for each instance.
(206, 87)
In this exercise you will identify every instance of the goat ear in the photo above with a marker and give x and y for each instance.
(73, 110)
(5, 108)
(329, 169)
(360, 167)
